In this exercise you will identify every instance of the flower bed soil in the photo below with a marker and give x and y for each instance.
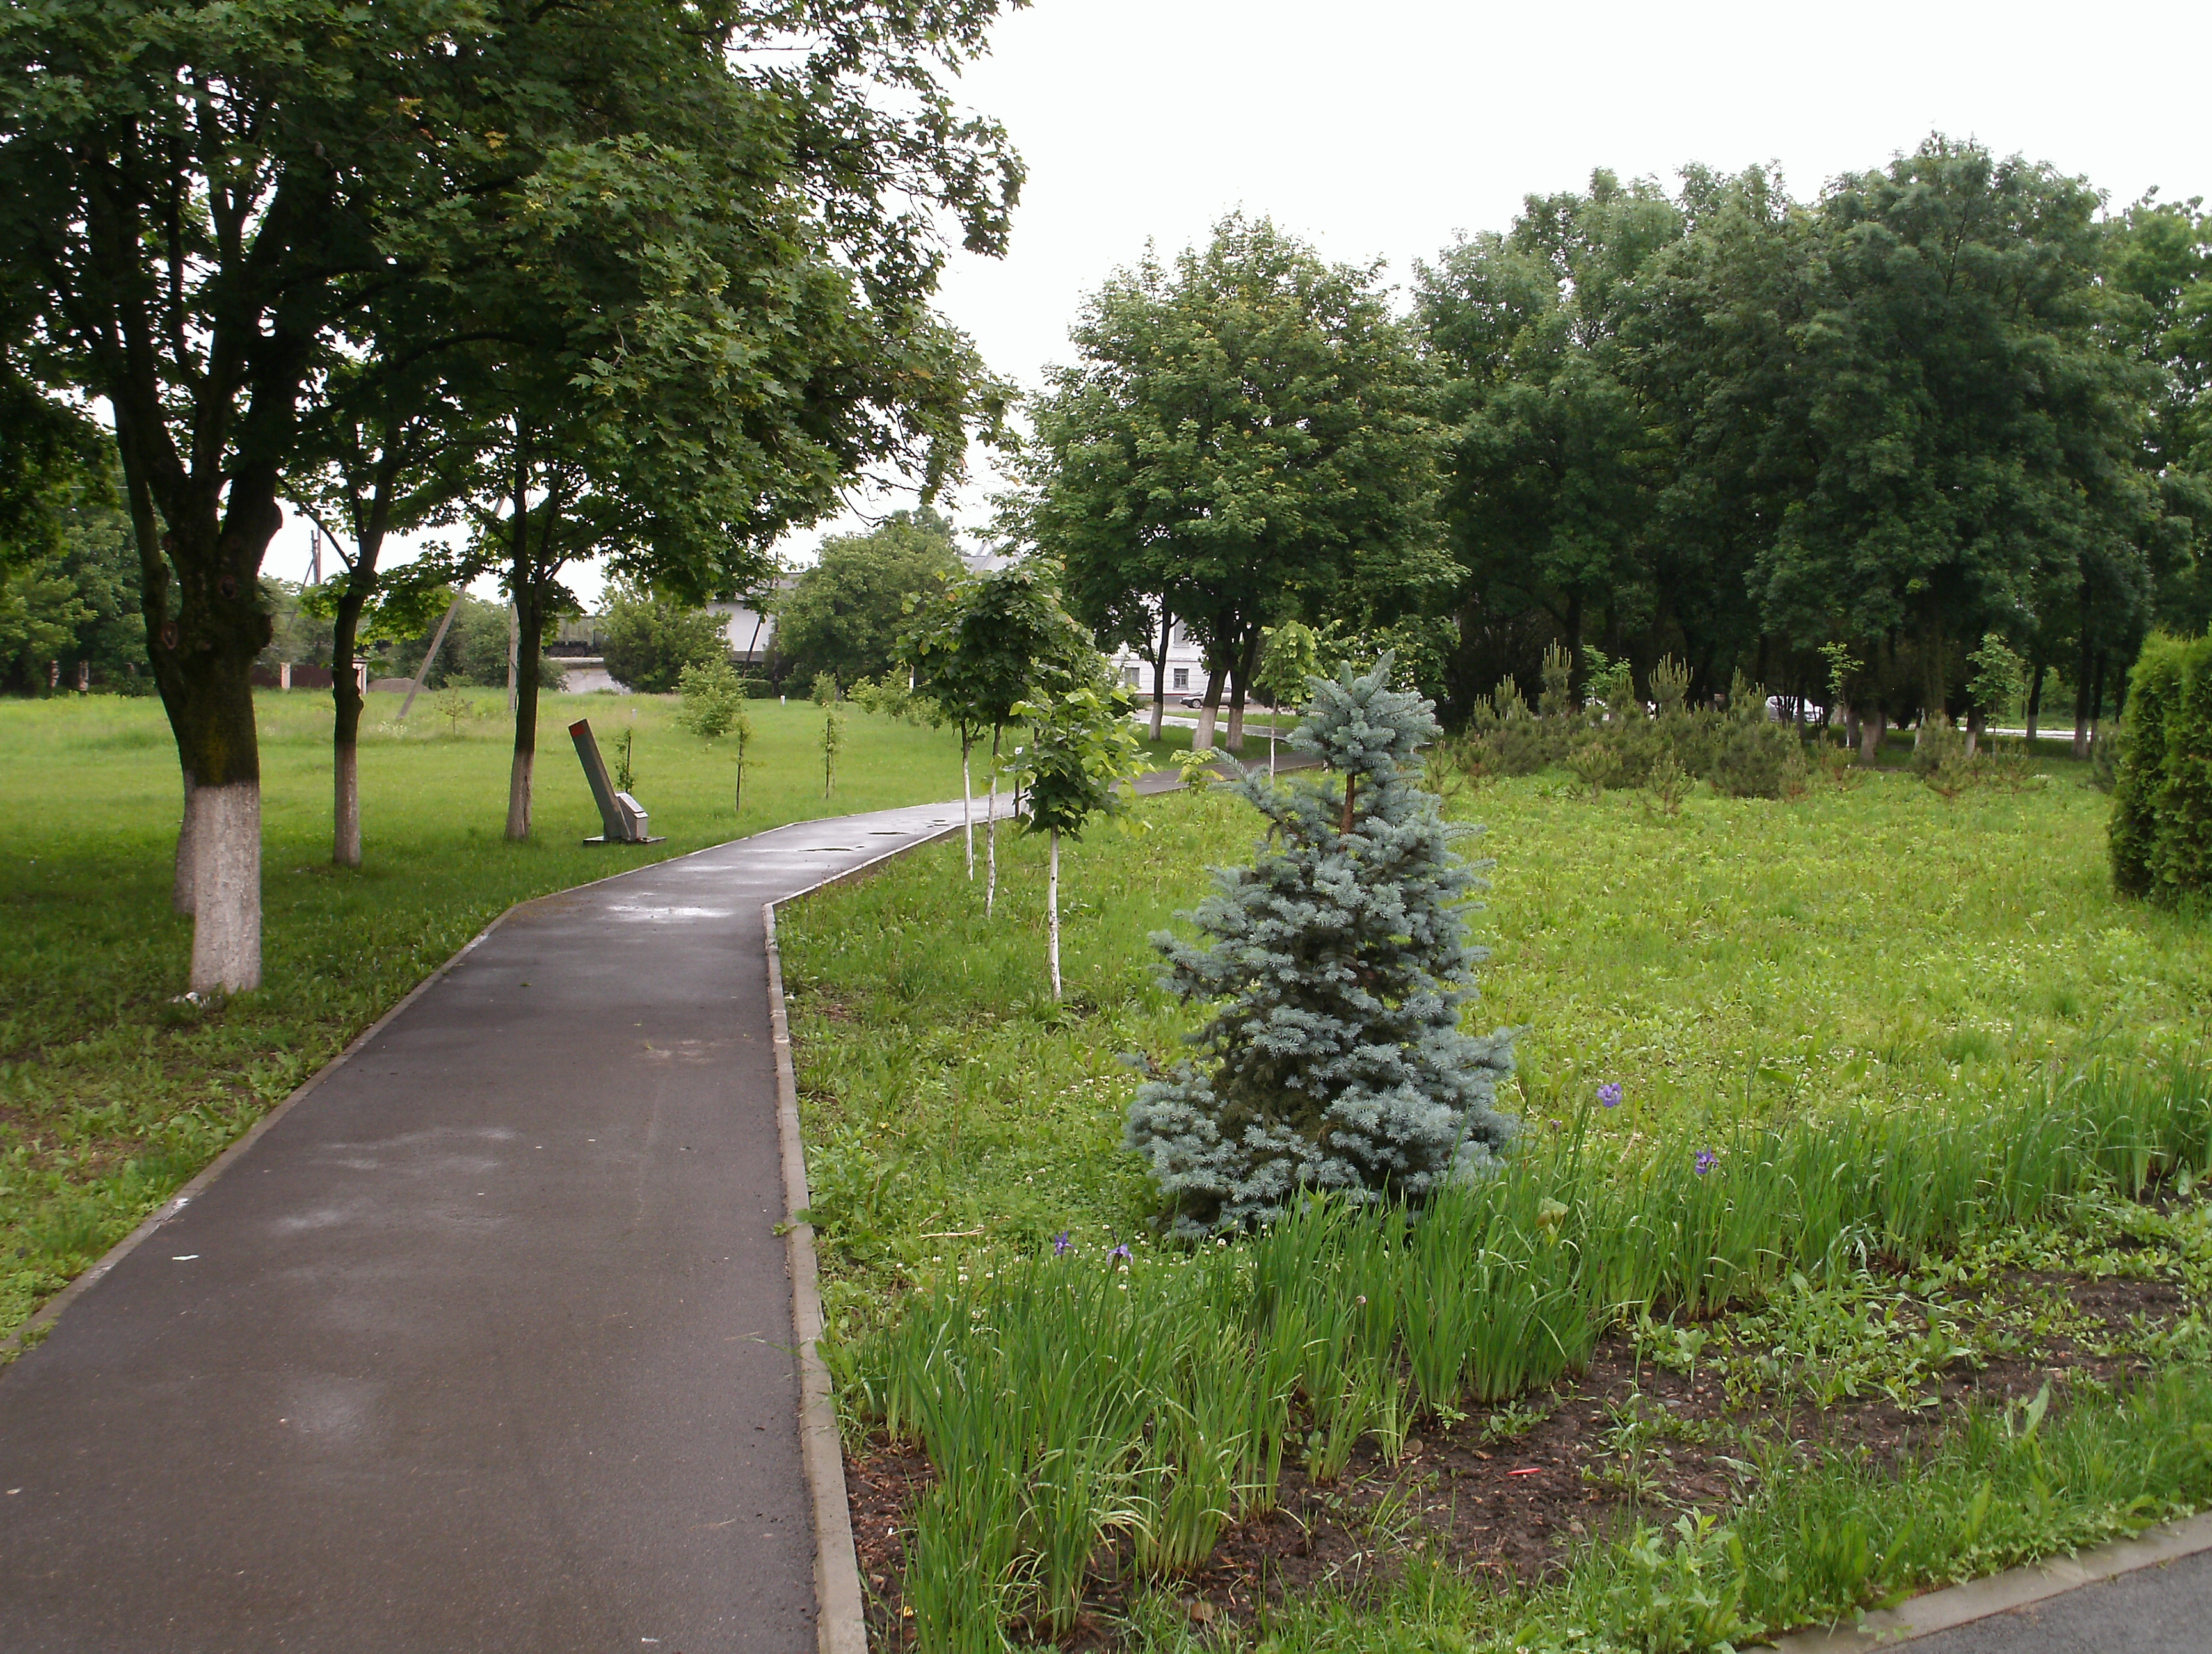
(1513, 1493)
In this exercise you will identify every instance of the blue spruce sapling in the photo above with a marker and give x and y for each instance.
(1337, 964)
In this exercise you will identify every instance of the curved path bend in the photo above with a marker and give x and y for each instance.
(485, 1342)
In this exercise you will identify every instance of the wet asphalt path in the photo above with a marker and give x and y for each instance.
(486, 1344)
(2161, 1610)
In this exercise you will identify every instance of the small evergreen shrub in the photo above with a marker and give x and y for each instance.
(1336, 964)
(2161, 835)
(1752, 757)
(1512, 739)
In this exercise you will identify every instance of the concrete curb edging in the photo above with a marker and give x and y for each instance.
(2016, 1587)
(841, 1623)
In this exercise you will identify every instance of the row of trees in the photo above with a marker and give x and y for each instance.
(648, 282)
(1835, 443)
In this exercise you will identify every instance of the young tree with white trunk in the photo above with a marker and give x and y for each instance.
(1080, 749)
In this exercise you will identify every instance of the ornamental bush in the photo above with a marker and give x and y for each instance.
(1336, 964)
(2160, 836)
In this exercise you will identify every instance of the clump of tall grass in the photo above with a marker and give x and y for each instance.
(1090, 1412)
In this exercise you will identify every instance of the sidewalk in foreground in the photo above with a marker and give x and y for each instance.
(485, 1344)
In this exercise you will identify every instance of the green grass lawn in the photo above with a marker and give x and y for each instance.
(1874, 942)
(1945, 1100)
(111, 1094)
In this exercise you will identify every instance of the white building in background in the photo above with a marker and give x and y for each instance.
(1185, 674)
(750, 632)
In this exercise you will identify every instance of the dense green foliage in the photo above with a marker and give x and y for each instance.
(1616, 740)
(1335, 968)
(647, 641)
(848, 614)
(2162, 828)
(70, 602)
(1245, 438)
(650, 282)
(1944, 398)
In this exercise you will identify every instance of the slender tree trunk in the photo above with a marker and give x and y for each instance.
(530, 619)
(967, 793)
(1578, 674)
(1210, 713)
(346, 702)
(2035, 699)
(1973, 731)
(1240, 683)
(2081, 681)
(1160, 671)
(1934, 679)
(528, 591)
(1052, 911)
(513, 654)
(990, 830)
(2096, 704)
(1875, 727)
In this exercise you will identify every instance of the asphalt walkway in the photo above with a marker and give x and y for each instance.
(485, 1344)
(2161, 1610)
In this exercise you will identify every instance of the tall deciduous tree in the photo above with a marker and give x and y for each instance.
(1969, 433)
(848, 614)
(1244, 438)
(1555, 460)
(207, 195)
(387, 452)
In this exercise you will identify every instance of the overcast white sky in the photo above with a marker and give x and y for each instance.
(1385, 130)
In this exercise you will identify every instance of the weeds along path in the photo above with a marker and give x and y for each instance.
(484, 1341)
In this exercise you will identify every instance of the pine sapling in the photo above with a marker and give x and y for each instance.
(1336, 966)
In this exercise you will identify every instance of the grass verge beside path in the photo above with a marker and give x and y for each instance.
(1897, 1069)
(111, 1093)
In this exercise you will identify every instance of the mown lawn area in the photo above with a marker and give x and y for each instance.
(112, 1092)
(1874, 942)
(1907, 1172)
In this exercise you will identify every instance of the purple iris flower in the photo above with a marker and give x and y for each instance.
(1706, 1161)
(1121, 1251)
(1608, 1095)
(1061, 1246)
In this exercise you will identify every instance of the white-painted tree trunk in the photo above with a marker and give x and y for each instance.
(345, 807)
(967, 812)
(180, 887)
(1201, 739)
(1052, 911)
(518, 795)
(991, 834)
(225, 830)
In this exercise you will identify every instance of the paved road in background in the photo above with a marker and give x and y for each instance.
(486, 1344)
